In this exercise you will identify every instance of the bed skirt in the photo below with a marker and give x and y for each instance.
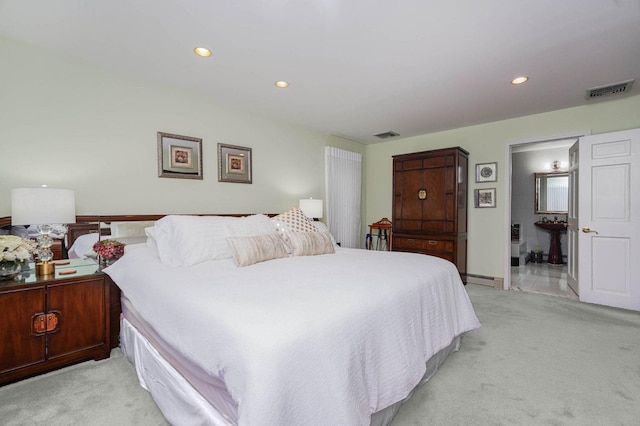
(182, 405)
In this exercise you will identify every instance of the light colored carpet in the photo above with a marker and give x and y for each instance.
(537, 360)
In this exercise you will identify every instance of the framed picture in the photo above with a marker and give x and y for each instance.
(179, 156)
(487, 172)
(234, 164)
(485, 197)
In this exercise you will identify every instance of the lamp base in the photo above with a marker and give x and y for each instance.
(45, 268)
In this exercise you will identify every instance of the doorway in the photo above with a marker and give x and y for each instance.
(524, 159)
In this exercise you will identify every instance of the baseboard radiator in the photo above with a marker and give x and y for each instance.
(495, 282)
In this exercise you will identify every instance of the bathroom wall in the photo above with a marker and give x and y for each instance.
(524, 165)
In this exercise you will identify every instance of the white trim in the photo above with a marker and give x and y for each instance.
(507, 191)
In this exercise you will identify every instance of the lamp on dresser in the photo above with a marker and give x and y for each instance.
(43, 207)
(311, 208)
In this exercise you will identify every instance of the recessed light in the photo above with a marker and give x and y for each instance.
(282, 84)
(519, 80)
(202, 51)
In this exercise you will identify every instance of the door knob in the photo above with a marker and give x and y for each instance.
(586, 230)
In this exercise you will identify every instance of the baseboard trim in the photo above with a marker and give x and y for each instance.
(495, 282)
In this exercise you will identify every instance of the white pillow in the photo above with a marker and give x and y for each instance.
(247, 226)
(82, 247)
(189, 240)
(129, 229)
(257, 248)
(150, 232)
(320, 226)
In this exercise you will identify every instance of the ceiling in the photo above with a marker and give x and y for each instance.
(356, 68)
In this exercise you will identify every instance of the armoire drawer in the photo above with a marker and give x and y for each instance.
(422, 244)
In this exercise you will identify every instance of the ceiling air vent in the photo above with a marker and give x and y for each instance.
(612, 89)
(387, 135)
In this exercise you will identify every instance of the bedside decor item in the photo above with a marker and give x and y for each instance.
(109, 251)
(179, 156)
(311, 208)
(14, 252)
(485, 197)
(234, 164)
(487, 172)
(43, 207)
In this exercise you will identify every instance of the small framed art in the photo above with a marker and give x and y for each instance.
(487, 172)
(179, 156)
(234, 164)
(485, 197)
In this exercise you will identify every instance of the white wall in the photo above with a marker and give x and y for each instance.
(71, 125)
(486, 143)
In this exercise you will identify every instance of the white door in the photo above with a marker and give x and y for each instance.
(572, 219)
(608, 228)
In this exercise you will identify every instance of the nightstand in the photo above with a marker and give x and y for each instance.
(53, 321)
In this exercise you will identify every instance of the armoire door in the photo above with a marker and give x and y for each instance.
(408, 182)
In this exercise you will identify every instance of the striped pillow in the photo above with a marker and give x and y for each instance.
(258, 248)
(310, 243)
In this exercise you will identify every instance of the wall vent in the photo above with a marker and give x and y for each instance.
(387, 135)
(612, 89)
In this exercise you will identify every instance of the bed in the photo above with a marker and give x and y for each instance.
(266, 321)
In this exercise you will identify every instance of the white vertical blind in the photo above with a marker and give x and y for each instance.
(343, 171)
(557, 190)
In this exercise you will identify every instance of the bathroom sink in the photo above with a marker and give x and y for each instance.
(551, 226)
(555, 251)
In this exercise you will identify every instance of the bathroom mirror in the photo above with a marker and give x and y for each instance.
(552, 192)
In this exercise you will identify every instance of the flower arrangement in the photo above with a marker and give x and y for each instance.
(15, 250)
(109, 249)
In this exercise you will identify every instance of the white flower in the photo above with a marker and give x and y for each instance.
(15, 249)
(9, 256)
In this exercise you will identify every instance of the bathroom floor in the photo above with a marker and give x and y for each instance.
(542, 278)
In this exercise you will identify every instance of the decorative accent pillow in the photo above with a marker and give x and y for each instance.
(258, 248)
(292, 220)
(310, 243)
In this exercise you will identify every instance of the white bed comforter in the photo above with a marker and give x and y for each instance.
(317, 340)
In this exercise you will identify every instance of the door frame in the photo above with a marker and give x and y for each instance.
(506, 283)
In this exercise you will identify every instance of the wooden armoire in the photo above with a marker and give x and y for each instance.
(430, 204)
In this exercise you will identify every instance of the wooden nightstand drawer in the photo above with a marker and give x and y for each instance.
(422, 244)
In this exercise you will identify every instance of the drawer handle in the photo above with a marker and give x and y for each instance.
(432, 242)
(422, 194)
(45, 323)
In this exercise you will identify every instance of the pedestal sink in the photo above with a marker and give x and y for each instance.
(554, 229)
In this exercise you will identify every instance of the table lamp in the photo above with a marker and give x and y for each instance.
(311, 208)
(43, 207)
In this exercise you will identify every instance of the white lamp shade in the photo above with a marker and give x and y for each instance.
(311, 208)
(39, 206)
